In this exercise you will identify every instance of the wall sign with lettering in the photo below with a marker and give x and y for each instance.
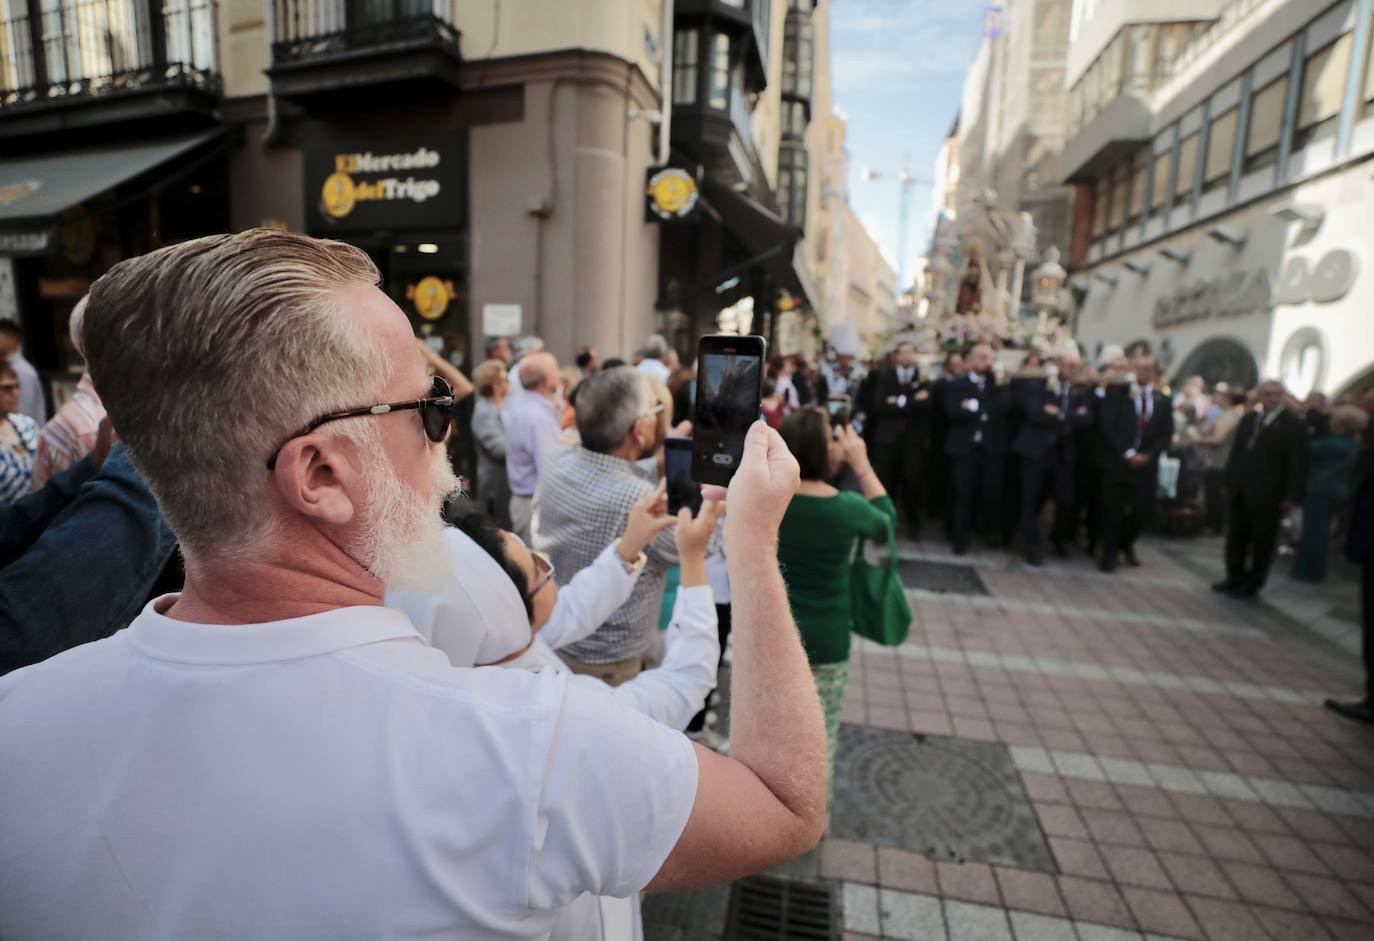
(395, 183)
(1247, 292)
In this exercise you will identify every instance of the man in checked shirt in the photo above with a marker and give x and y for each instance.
(582, 501)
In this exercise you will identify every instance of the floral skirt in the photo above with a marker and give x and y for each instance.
(831, 681)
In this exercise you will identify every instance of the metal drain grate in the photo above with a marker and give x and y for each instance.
(948, 798)
(763, 908)
(943, 577)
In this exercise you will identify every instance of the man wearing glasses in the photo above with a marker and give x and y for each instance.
(584, 497)
(271, 753)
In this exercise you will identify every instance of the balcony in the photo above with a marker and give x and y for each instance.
(746, 20)
(335, 49)
(1116, 133)
(70, 66)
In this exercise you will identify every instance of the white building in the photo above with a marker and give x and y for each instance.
(1225, 190)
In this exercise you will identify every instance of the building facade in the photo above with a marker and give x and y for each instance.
(1223, 176)
(501, 164)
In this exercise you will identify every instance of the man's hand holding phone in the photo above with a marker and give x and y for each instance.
(648, 517)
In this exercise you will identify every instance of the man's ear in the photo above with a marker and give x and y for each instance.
(314, 477)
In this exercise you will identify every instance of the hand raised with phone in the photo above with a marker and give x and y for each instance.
(648, 517)
(759, 493)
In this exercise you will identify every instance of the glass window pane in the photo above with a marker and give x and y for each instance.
(1187, 165)
(1220, 147)
(1138, 190)
(1266, 117)
(1100, 209)
(1323, 82)
(1159, 185)
(718, 92)
(685, 44)
(1120, 193)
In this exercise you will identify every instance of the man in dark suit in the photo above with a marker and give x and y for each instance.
(1050, 410)
(1136, 424)
(901, 404)
(938, 483)
(1267, 473)
(976, 439)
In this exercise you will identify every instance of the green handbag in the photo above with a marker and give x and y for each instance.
(881, 611)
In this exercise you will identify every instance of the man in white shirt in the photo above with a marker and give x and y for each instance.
(271, 753)
(657, 354)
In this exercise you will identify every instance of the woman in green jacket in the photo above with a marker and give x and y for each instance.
(816, 549)
(1328, 478)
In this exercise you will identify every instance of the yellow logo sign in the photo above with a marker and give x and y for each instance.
(431, 296)
(672, 193)
(339, 196)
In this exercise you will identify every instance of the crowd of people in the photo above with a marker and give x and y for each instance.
(280, 730)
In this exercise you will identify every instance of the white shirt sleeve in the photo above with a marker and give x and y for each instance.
(586, 602)
(616, 793)
(676, 690)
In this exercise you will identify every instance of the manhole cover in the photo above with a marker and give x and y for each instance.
(947, 798)
(763, 908)
(943, 577)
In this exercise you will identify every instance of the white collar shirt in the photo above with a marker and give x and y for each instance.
(328, 776)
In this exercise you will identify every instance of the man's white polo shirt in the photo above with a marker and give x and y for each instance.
(328, 776)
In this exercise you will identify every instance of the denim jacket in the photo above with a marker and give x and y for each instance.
(79, 559)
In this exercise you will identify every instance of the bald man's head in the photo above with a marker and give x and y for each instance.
(539, 373)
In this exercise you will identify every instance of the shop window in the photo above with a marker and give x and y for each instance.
(792, 184)
(686, 43)
(1221, 142)
(1323, 88)
(718, 85)
(1100, 200)
(1266, 124)
(1187, 170)
(1138, 177)
(798, 53)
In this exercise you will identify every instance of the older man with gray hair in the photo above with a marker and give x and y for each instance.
(532, 429)
(274, 754)
(584, 497)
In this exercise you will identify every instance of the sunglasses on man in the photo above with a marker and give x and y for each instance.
(436, 414)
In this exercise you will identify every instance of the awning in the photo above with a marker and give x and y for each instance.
(765, 236)
(36, 189)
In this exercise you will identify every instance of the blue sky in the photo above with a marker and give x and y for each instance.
(898, 70)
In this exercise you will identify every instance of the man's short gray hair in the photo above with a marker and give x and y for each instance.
(656, 347)
(608, 404)
(209, 354)
(526, 345)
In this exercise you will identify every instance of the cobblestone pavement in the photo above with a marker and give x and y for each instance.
(1170, 744)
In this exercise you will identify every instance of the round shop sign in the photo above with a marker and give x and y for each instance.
(431, 296)
(338, 196)
(1302, 364)
(672, 193)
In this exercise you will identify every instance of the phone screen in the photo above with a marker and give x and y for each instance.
(729, 386)
(838, 406)
(677, 470)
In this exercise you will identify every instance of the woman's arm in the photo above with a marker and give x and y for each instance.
(462, 386)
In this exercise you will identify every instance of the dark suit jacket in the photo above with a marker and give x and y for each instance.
(1118, 422)
(994, 402)
(909, 420)
(1275, 468)
(1039, 431)
(1359, 539)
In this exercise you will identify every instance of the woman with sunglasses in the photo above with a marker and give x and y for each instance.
(18, 439)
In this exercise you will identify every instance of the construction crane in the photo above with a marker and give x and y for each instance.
(905, 183)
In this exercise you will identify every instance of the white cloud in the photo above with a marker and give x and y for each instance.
(881, 43)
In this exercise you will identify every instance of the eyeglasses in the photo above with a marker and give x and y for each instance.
(651, 413)
(543, 571)
(436, 414)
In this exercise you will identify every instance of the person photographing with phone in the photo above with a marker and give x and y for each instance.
(816, 547)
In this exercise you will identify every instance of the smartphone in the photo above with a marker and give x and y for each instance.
(729, 389)
(677, 470)
(838, 406)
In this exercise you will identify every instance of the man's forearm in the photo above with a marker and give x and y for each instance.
(776, 728)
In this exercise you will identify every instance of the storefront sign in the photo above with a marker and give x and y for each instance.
(671, 195)
(1247, 292)
(22, 243)
(431, 296)
(357, 183)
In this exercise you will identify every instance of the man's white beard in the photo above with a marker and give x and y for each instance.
(402, 539)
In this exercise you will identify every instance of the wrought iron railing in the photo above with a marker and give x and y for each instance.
(312, 29)
(51, 50)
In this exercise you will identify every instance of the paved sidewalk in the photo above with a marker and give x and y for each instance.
(1160, 752)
